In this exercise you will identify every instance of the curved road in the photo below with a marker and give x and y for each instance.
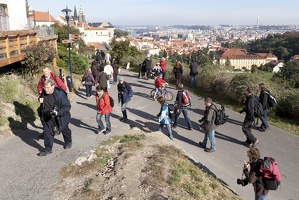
(24, 175)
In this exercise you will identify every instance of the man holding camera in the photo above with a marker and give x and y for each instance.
(55, 116)
(254, 175)
(208, 125)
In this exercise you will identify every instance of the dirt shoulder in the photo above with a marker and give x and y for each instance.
(138, 166)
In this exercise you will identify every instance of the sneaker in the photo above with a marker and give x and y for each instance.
(107, 132)
(44, 153)
(101, 131)
(68, 146)
(256, 142)
(190, 129)
(202, 145)
(210, 150)
(123, 119)
(247, 144)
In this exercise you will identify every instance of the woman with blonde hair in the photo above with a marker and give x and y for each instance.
(178, 73)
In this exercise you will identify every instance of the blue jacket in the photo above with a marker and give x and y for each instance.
(164, 117)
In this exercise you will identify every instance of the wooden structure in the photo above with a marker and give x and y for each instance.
(13, 44)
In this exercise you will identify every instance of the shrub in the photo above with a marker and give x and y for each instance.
(288, 105)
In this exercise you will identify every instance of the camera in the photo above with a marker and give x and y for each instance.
(240, 182)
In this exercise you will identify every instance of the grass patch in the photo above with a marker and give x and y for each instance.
(8, 88)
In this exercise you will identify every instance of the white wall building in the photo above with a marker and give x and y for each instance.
(13, 15)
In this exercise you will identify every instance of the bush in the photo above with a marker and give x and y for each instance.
(288, 105)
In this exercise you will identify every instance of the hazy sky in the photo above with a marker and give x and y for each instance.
(170, 12)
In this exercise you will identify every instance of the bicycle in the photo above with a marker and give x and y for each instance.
(162, 92)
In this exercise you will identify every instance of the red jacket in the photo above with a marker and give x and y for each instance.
(58, 82)
(163, 65)
(159, 82)
(103, 104)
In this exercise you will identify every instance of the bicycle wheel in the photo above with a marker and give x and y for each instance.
(152, 93)
(168, 95)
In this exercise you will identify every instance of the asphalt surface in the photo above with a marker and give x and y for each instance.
(24, 175)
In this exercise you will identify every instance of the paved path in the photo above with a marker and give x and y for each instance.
(24, 175)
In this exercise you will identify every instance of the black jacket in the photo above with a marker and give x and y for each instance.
(193, 68)
(264, 99)
(62, 106)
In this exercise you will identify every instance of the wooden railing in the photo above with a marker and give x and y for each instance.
(13, 45)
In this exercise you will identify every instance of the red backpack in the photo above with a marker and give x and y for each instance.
(271, 174)
(186, 98)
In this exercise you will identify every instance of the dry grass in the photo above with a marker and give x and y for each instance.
(137, 167)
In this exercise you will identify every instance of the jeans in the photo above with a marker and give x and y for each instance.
(107, 120)
(193, 81)
(115, 78)
(123, 110)
(88, 90)
(210, 134)
(168, 126)
(163, 74)
(263, 118)
(108, 81)
(260, 197)
(185, 113)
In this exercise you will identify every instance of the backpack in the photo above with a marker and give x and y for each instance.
(111, 101)
(186, 98)
(258, 108)
(271, 100)
(171, 112)
(271, 174)
(221, 117)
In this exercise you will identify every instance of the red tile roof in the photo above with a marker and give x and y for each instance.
(42, 17)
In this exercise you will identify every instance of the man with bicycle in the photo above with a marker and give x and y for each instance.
(159, 84)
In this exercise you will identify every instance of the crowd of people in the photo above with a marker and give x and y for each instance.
(54, 110)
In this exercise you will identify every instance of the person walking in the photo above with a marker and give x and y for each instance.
(193, 72)
(95, 71)
(263, 98)
(254, 175)
(208, 124)
(116, 70)
(251, 141)
(103, 78)
(147, 63)
(178, 73)
(103, 109)
(48, 74)
(88, 82)
(163, 67)
(108, 69)
(164, 117)
(55, 113)
(182, 108)
(125, 93)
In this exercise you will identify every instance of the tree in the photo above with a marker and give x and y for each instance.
(120, 33)
(37, 55)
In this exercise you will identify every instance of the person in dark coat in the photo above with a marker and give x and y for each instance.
(147, 63)
(124, 96)
(254, 175)
(193, 72)
(95, 71)
(103, 78)
(178, 73)
(264, 96)
(249, 118)
(55, 113)
(116, 70)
